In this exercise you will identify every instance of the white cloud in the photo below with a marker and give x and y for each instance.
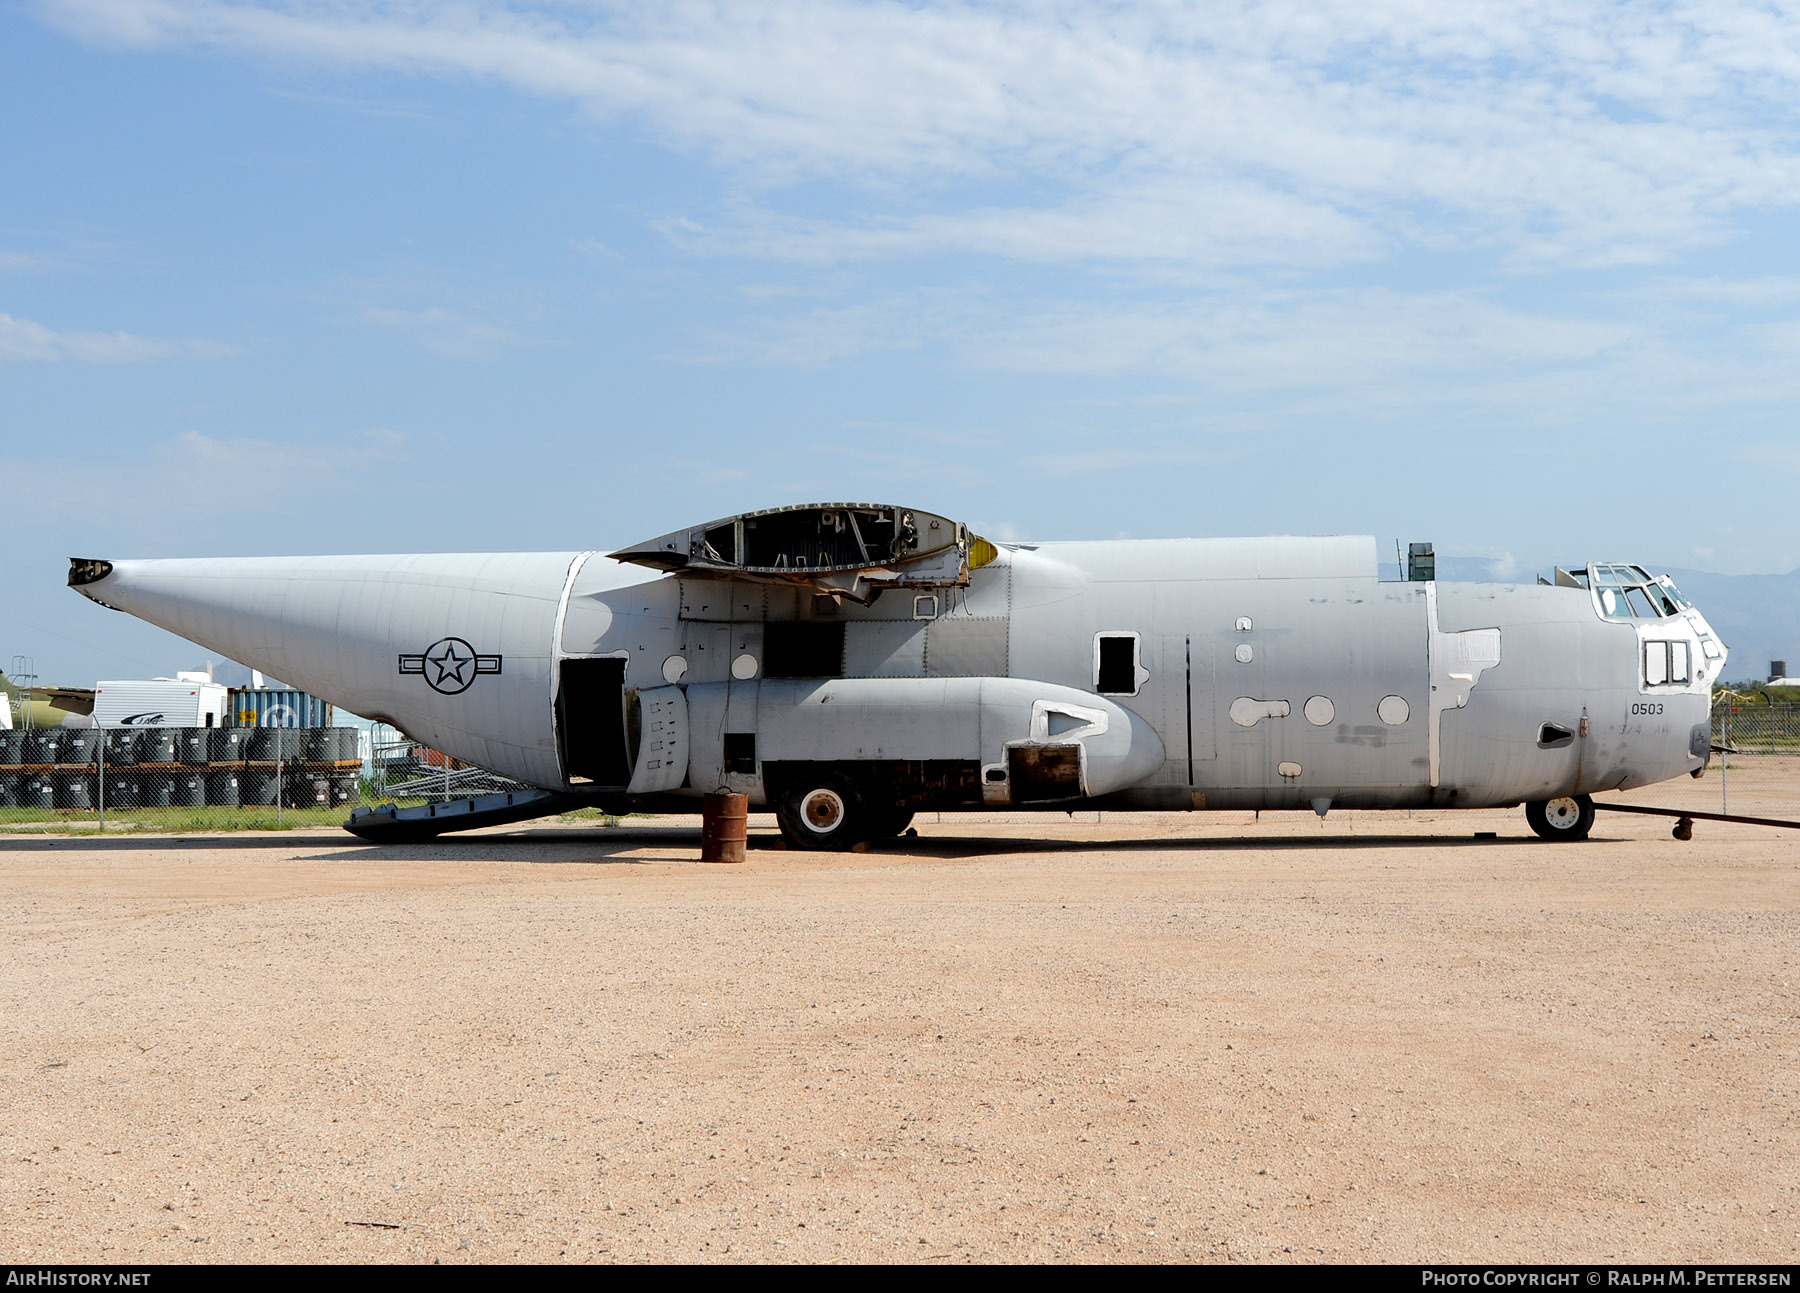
(1503, 566)
(241, 475)
(1294, 340)
(25, 339)
(594, 249)
(1228, 221)
(244, 457)
(1289, 340)
(1597, 133)
(447, 332)
(378, 108)
(445, 312)
(1088, 461)
(1778, 457)
(1660, 359)
(1675, 302)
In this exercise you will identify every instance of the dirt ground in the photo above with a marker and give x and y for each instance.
(1172, 1037)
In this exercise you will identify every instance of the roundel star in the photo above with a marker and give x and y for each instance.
(450, 669)
(449, 665)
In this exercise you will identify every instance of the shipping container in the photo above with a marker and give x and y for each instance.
(276, 707)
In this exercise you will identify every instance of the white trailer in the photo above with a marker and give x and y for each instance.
(159, 702)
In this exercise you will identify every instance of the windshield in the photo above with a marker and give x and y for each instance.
(1629, 592)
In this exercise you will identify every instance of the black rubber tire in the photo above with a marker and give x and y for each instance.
(823, 814)
(1561, 821)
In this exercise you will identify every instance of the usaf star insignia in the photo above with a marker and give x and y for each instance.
(450, 665)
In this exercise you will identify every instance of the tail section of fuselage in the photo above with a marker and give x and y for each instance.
(455, 650)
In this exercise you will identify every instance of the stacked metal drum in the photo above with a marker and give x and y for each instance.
(78, 769)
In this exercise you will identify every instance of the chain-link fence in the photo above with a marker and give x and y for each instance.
(235, 778)
(1756, 729)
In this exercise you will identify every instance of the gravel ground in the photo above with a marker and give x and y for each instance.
(1150, 1037)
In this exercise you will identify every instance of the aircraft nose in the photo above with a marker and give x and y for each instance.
(87, 570)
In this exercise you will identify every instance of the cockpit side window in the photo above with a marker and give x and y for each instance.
(1674, 593)
(1668, 664)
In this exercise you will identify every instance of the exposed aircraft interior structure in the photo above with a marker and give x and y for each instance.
(849, 664)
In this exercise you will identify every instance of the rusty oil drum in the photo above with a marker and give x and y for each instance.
(724, 823)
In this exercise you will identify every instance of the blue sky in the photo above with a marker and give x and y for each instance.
(1518, 278)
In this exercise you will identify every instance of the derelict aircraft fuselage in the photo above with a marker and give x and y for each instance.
(847, 664)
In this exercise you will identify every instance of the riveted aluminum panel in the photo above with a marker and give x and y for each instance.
(884, 649)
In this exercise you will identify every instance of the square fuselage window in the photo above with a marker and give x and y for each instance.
(1116, 664)
(805, 649)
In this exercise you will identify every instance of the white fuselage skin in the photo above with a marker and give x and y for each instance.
(1260, 673)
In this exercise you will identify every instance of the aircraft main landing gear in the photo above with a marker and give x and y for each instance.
(825, 814)
(1568, 818)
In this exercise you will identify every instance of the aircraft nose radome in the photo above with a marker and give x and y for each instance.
(87, 570)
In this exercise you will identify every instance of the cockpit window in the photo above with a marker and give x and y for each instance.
(1680, 598)
(1628, 592)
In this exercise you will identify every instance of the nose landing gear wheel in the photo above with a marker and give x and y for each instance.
(1558, 820)
(826, 814)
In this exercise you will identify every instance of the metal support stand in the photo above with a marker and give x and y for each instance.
(1689, 816)
(1725, 760)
